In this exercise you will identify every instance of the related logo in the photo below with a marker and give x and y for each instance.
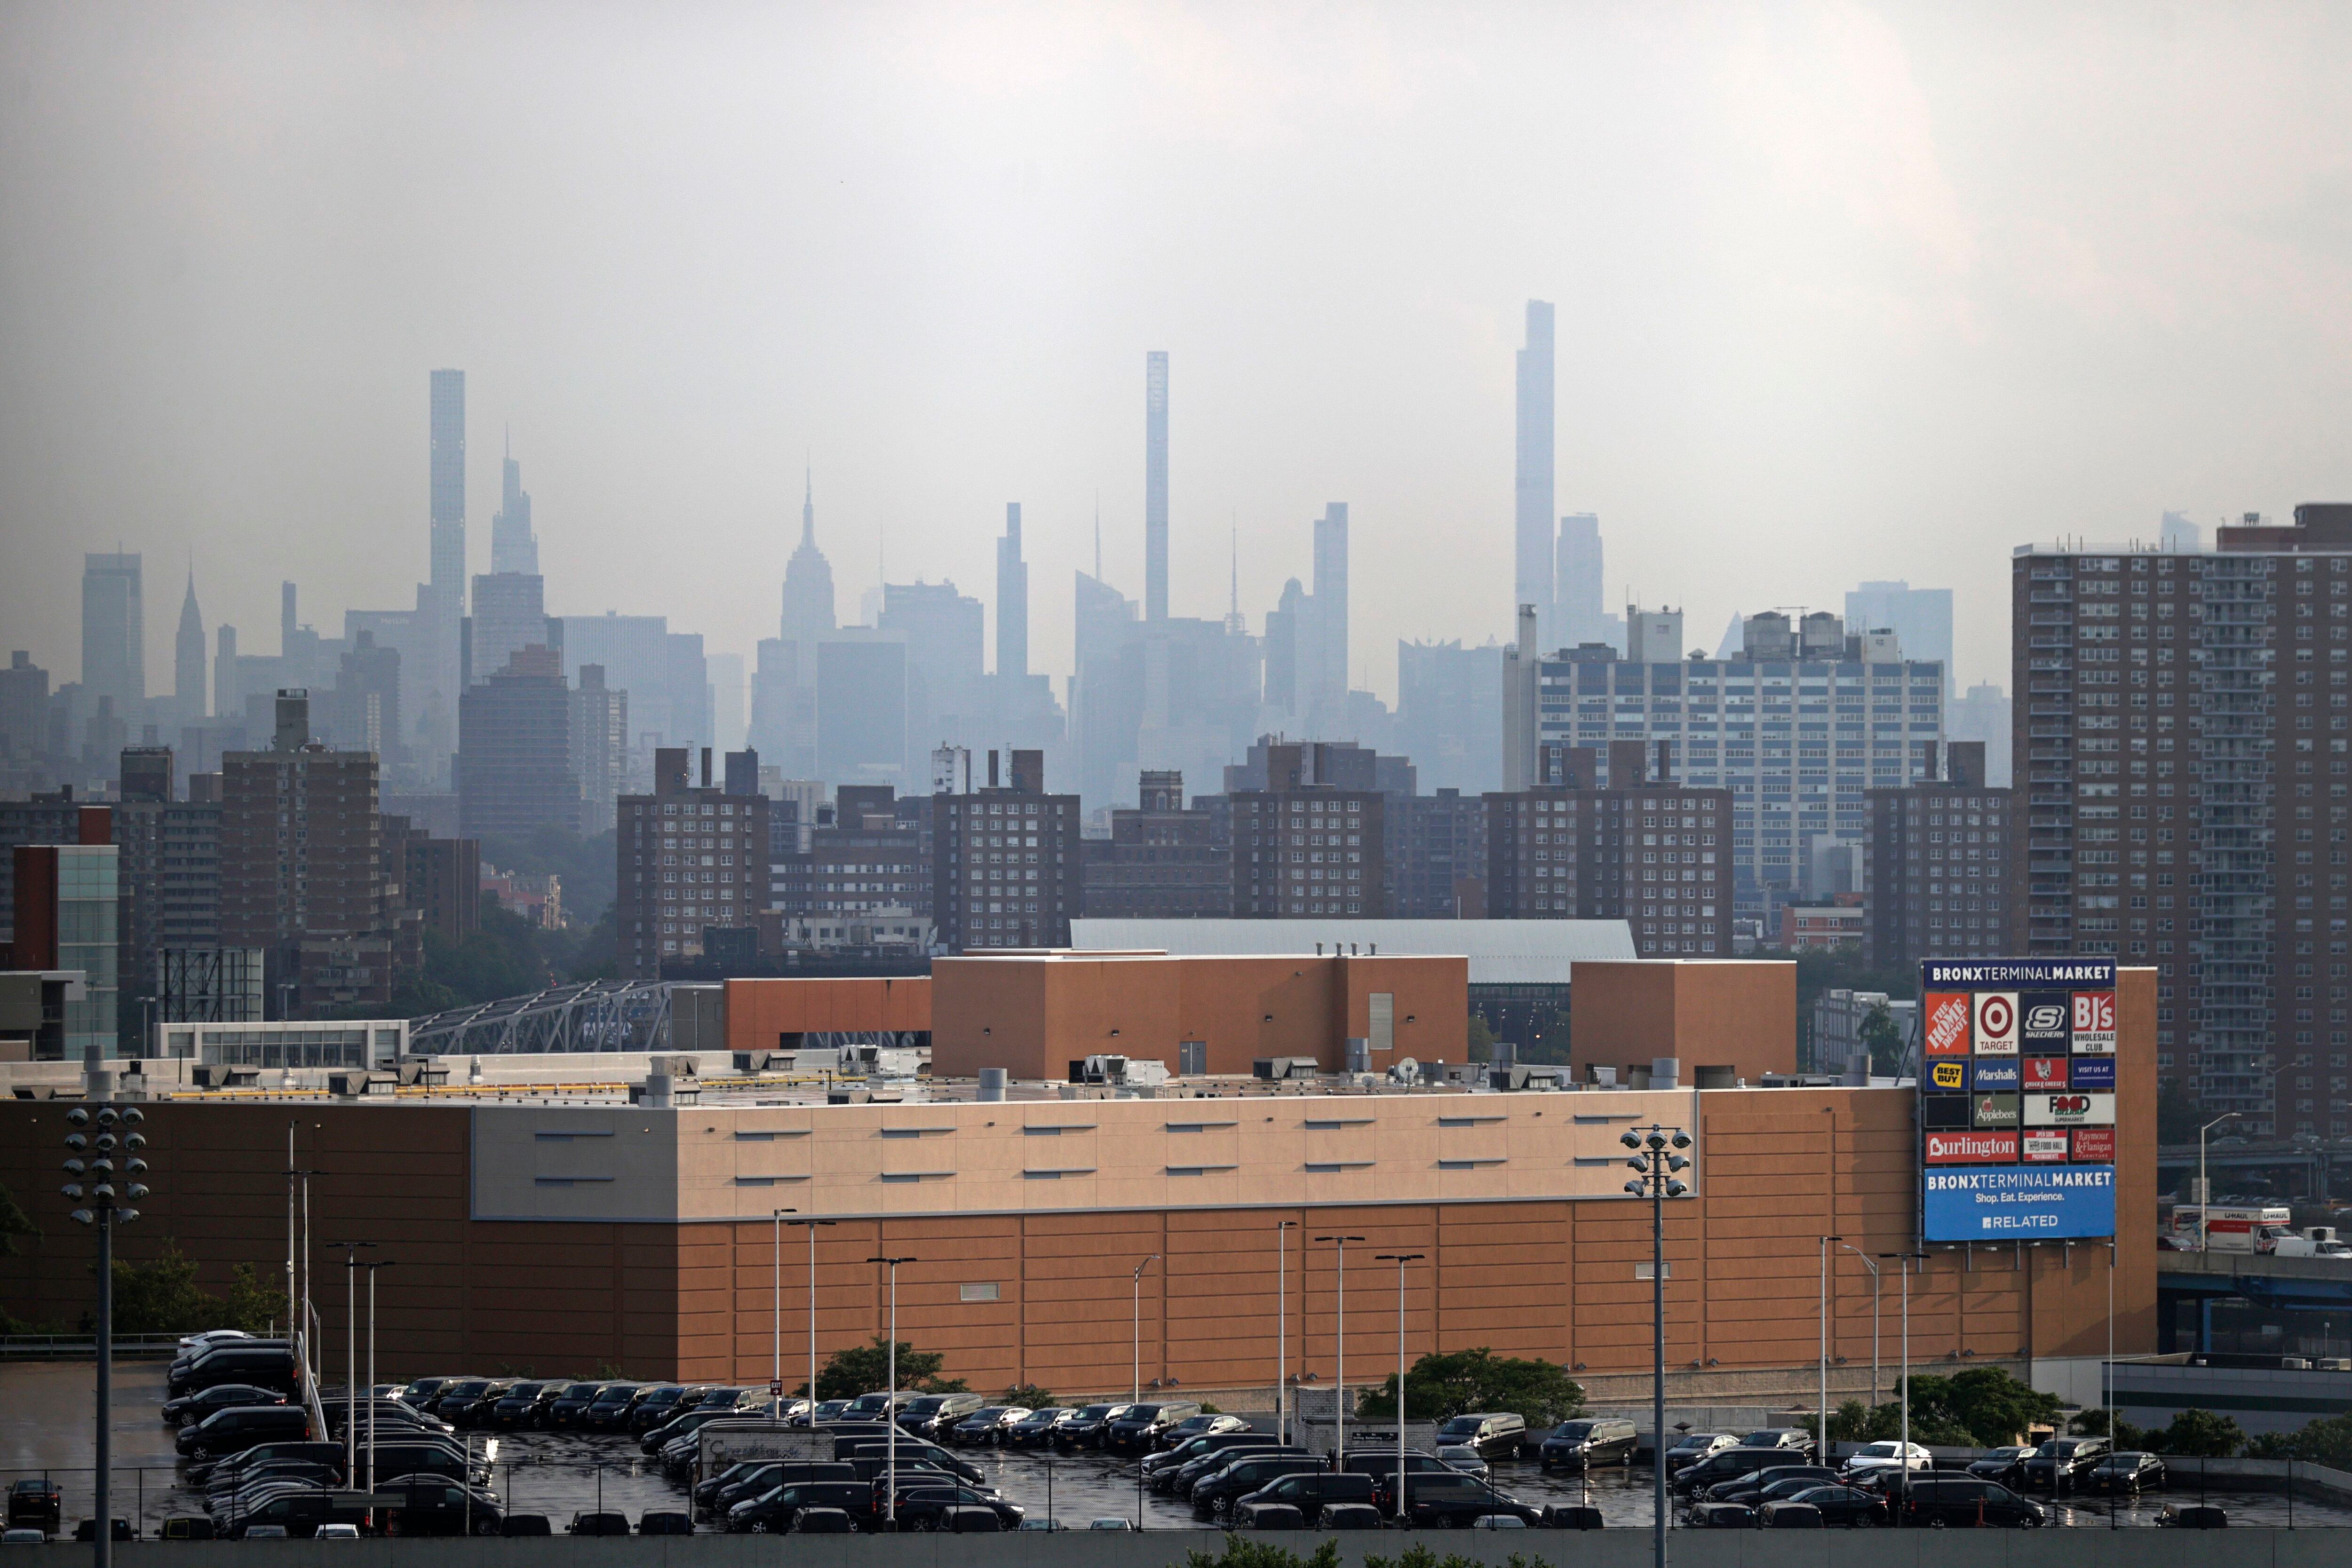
(2043, 1015)
(2046, 1148)
(1996, 1110)
(2095, 1023)
(2044, 1073)
(1947, 1074)
(1947, 1024)
(2073, 1109)
(1977, 1148)
(2094, 1145)
(2093, 1072)
(1994, 1072)
(1996, 1023)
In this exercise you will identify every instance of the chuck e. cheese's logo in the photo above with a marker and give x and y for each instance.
(1947, 1028)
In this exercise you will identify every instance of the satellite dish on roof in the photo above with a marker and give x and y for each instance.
(1405, 1069)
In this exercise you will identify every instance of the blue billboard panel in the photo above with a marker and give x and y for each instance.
(2005, 1203)
(1996, 1073)
(2014, 974)
(2095, 1072)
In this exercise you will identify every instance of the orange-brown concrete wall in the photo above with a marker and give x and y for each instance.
(1778, 1169)
(1735, 1013)
(758, 1012)
(1034, 1017)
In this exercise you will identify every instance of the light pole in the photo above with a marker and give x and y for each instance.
(1281, 1322)
(1906, 1258)
(1137, 1282)
(373, 1265)
(1658, 1159)
(812, 1225)
(1822, 1432)
(1872, 1264)
(2204, 1184)
(890, 1406)
(1400, 1260)
(103, 1214)
(351, 1251)
(1339, 1378)
(776, 1303)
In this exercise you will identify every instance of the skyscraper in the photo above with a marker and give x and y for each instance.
(514, 764)
(1155, 485)
(1920, 617)
(448, 488)
(188, 658)
(113, 634)
(509, 614)
(1581, 617)
(1533, 489)
(1329, 692)
(513, 547)
(1012, 600)
(808, 585)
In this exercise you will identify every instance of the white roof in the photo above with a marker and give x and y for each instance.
(1501, 952)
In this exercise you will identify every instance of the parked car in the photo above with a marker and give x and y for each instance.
(874, 1407)
(195, 1408)
(2064, 1461)
(1036, 1429)
(1496, 1434)
(665, 1521)
(1850, 1507)
(297, 1514)
(423, 1390)
(827, 1410)
(1585, 1444)
(1193, 1427)
(455, 1401)
(192, 1343)
(1085, 1430)
(240, 1427)
(609, 1411)
(986, 1424)
(1381, 1464)
(1112, 1524)
(1749, 1488)
(1693, 1447)
(1212, 1492)
(263, 1366)
(1137, 1431)
(513, 1409)
(566, 1410)
(35, 1503)
(934, 1415)
(2005, 1464)
(677, 1426)
(1964, 1499)
(922, 1507)
(2128, 1472)
(1456, 1502)
(261, 1453)
(1794, 1441)
(1182, 1479)
(655, 1406)
(775, 1512)
(1311, 1493)
(1159, 1466)
(1726, 1464)
(604, 1523)
(1878, 1461)
(435, 1505)
(724, 1494)
(1466, 1460)
(822, 1521)
(186, 1527)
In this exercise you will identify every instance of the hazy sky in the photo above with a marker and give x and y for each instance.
(1843, 292)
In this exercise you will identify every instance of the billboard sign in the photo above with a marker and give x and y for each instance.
(2027, 1046)
(2008, 1203)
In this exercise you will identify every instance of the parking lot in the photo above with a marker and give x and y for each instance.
(46, 1429)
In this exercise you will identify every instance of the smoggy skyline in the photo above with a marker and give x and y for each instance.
(1841, 293)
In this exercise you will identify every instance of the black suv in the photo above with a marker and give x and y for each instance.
(1137, 1431)
(1163, 1466)
(1794, 1445)
(1458, 1501)
(659, 1405)
(1180, 1479)
(920, 1507)
(2064, 1461)
(1581, 1445)
(774, 1514)
(1085, 1430)
(515, 1406)
(609, 1411)
(195, 1408)
(1311, 1493)
(1245, 1474)
(1725, 1465)
(1748, 1488)
(1966, 1499)
(568, 1408)
(2005, 1465)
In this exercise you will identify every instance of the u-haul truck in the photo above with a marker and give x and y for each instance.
(2233, 1229)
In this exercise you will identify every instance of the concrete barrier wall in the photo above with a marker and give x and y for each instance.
(1589, 1549)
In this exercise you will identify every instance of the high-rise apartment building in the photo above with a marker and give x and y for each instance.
(514, 771)
(514, 547)
(1440, 870)
(1005, 867)
(2182, 721)
(1920, 618)
(1447, 720)
(510, 615)
(1941, 851)
(66, 899)
(1012, 601)
(1582, 560)
(865, 865)
(599, 747)
(1641, 847)
(689, 861)
(168, 872)
(113, 635)
(1155, 485)
(1163, 860)
(1532, 483)
(1797, 728)
(1304, 848)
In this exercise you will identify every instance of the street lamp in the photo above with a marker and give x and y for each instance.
(2204, 1184)
(1657, 1160)
(1906, 1258)
(373, 1265)
(1281, 1322)
(103, 1214)
(1400, 1260)
(890, 1405)
(1872, 1264)
(1339, 1378)
(1137, 1282)
(351, 1251)
(1822, 1433)
(776, 1304)
(812, 1226)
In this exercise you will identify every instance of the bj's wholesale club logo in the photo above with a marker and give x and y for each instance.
(2094, 1021)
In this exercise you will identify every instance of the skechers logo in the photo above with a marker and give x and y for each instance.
(2046, 1016)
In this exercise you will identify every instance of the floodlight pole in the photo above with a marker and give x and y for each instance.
(776, 1305)
(890, 1404)
(1400, 1260)
(812, 1225)
(1657, 1158)
(1339, 1377)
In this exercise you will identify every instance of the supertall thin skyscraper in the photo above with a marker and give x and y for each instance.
(1533, 489)
(114, 634)
(513, 547)
(1155, 485)
(449, 488)
(1012, 600)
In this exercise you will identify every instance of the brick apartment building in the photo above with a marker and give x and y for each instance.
(1305, 848)
(1006, 864)
(1941, 856)
(689, 861)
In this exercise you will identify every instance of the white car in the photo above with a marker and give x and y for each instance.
(210, 1338)
(1874, 1460)
(337, 1532)
(1108, 1524)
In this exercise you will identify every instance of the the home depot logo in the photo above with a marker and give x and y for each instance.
(1948, 1023)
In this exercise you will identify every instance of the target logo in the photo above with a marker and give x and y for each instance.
(1996, 1023)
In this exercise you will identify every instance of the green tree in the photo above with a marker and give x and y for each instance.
(1883, 1041)
(14, 1222)
(2178, 1113)
(2326, 1441)
(2199, 1433)
(1482, 1038)
(1028, 1395)
(159, 1298)
(1440, 1387)
(1244, 1552)
(250, 1305)
(866, 1369)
